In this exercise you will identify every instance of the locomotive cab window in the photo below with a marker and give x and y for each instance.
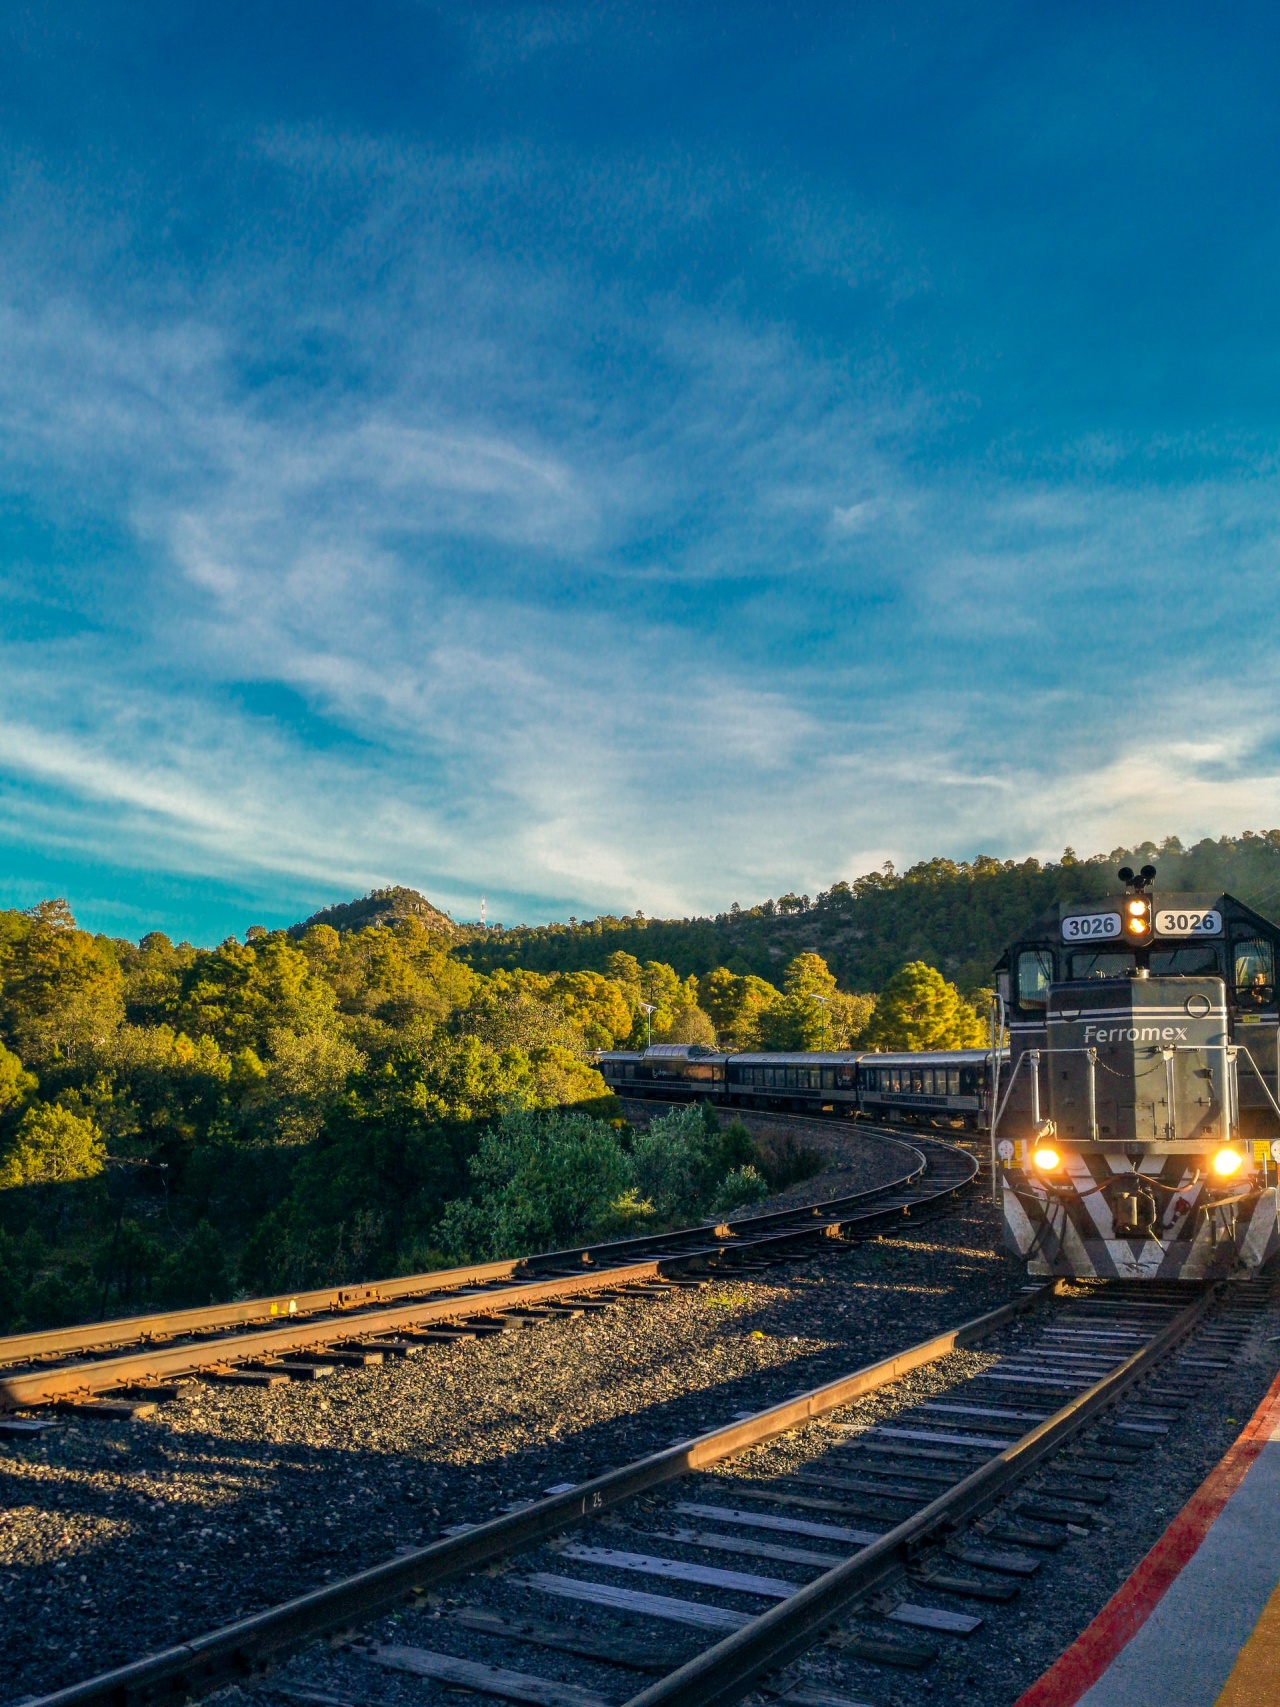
(1200, 960)
(1035, 974)
(1117, 964)
(1255, 972)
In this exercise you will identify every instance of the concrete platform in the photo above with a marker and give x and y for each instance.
(1197, 1624)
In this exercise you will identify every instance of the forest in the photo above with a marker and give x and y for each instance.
(378, 1090)
(957, 917)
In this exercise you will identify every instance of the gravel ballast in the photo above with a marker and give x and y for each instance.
(119, 1539)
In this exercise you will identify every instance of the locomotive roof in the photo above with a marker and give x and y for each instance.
(1048, 926)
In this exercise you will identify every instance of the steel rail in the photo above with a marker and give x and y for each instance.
(156, 1361)
(725, 1672)
(242, 1649)
(168, 1325)
(160, 1362)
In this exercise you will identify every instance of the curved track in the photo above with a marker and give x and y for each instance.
(262, 1340)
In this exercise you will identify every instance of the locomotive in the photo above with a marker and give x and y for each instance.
(1136, 1131)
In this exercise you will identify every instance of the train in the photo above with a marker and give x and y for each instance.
(1132, 1105)
(1136, 1132)
(942, 1087)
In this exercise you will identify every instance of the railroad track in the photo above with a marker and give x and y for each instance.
(715, 1567)
(120, 1367)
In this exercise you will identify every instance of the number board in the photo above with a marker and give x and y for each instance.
(1188, 921)
(1090, 927)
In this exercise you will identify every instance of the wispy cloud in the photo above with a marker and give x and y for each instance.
(529, 569)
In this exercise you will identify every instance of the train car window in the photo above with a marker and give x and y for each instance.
(968, 1081)
(629, 1071)
(926, 1081)
(1035, 974)
(917, 1081)
(828, 1078)
(792, 1076)
(1255, 972)
(1118, 964)
(953, 1081)
(1200, 960)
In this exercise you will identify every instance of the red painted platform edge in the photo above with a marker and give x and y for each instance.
(1093, 1650)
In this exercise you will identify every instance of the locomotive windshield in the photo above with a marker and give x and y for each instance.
(1108, 963)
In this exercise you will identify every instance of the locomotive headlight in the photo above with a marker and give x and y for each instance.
(1227, 1162)
(1139, 920)
(1046, 1158)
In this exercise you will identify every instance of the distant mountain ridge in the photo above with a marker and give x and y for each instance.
(381, 907)
(958, 917)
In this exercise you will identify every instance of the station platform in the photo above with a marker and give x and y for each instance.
(1197, 1624)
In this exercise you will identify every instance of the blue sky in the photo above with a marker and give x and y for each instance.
(627, 456)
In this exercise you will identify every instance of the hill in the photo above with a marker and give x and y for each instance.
(381, 907)
(956, 916)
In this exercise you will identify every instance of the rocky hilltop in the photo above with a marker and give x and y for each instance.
(381, 907)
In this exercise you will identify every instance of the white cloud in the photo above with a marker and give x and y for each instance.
(580, 643)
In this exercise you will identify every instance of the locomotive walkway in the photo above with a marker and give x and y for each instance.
(1198, 1621)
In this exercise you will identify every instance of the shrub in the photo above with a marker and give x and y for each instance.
(680, 1159)
(784, 1160)
(739, 1189)
(540, 1181)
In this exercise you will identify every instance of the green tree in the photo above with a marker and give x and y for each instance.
(167, 1087)
(62, 988)
(16, 1084)
(52, 1146)
(919, 1009)
(520, 1010)
(153, 974)
(243, 992)
(690, 1025)
(196, 1273)
(305, 1075)
(624, 970)
(387, 978)
(802, 1019)
(597, 1004)
(735, 1003)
